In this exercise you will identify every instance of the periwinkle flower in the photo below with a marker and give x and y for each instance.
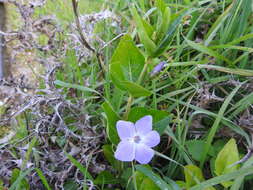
(137, 140)
(157, 68)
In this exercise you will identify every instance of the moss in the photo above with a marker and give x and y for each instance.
(4, 130)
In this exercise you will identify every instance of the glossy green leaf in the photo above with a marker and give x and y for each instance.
(193, 175)
(127, 63)
(135, 90)
(109, 155)
(105, 177)
(143, 182)
(154, 177)
(164, 15)
(173, 184)
(195, 147)
(181, 184)
(138, 112)
(149, 29)
(143, 32)
(112, 118)
(226, 157)
(162, 125)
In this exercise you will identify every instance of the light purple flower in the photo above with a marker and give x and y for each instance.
(136, 140)
(157, 68)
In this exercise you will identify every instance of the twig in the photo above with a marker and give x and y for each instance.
(112, 40)
(83, 39)
(247, 156)
(79, 28)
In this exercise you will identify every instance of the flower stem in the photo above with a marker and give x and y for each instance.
(139, 81)
(134, 178)
(128, 107)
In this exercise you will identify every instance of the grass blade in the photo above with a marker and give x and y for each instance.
(206, 50)
(216, 125)
(217, 180)
(19, 179)
(43, 178)
(76, 86)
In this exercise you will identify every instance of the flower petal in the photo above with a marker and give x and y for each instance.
(143, 154)
(144, 125)
(125, 129)
(151, 139)
(125, 151)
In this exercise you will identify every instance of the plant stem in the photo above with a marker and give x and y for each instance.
(131, 98)
(140, 79)
(134, 178)
(128, 107)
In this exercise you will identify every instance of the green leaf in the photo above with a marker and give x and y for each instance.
(165, 42)
(161, 5)
(144, 182)
(226, 157)
(162, 125)
(154, 177)
(126, 66)
(172, 183)
(226, 177)
(127, 63)
(149, 29)
(1, 185)
(164, 15)
(105, 177)
(43, 178)
(18, 180)
(126, 176)
(135, 90)
(181, 184)
(70, 185)
(138, 112)
(112, 118)
(148, 184)
(195, 147)
(193, 175)
(109, 155)
(21, 128)
(84, 170)
(28, 152)
(143, 32)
